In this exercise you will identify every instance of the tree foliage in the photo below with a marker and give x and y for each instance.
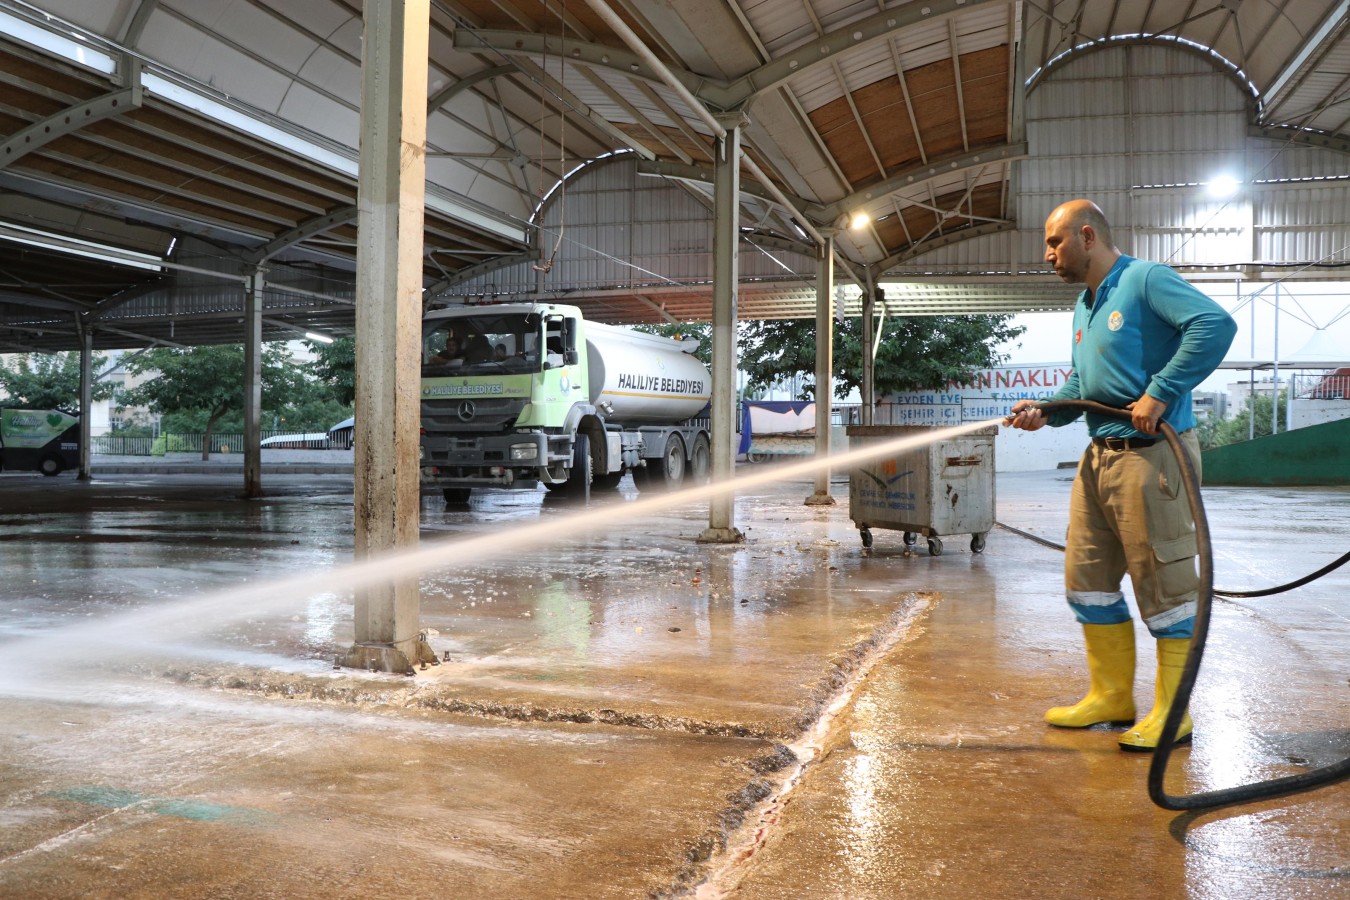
(699, 331)
(209, 382)
(48, 381)
(335, 366)
(916, 352)
(1215, 432)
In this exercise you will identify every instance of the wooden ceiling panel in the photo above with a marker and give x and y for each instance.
(844, 139)
(699, 151)
(175, 123)
(268, 205)
(16, 66)
(984, 86)
(189, 162)
(123, 184)
(886, 117)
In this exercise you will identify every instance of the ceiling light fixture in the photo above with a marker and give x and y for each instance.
(1223, 186)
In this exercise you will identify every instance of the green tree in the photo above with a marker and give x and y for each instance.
(208, 381)
(1253, 421)
(335, 366)
(699, 331)
(49, 381)
(916, 352)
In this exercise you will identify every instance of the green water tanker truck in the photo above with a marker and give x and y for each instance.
(518, 395)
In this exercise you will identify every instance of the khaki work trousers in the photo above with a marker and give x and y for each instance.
(1129, 513)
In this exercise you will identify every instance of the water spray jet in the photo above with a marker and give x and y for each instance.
(31, 664)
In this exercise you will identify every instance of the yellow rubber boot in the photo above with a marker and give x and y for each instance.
(1110, 697)
(1171, 660)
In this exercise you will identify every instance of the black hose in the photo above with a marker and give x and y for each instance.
(1218, 592)
(1246, 793)
(1280, 589)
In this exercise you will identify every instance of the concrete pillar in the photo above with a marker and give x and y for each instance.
(86, 399)
(253, 306)
(824, 364)
(390, 198)
(726, 278)
(869, 298)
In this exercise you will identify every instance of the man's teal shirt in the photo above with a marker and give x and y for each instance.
(1146, 330)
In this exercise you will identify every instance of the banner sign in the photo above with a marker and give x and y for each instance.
(32, 428)
(989, 394)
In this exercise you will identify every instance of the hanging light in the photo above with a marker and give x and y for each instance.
(1222, 187)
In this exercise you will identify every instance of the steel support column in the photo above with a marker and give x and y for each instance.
(726, 281)
(391, 192)
(86, 398)
(824, 364)
(869, 306)
(253, 306)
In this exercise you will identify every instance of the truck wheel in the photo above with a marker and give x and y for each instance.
(667, 470)
(51, 465)
(700, 460)
(578, 484)
(607, 482)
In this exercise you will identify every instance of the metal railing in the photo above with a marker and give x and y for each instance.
(121, 445)
(229, 442)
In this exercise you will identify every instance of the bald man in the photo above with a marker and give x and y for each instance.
(1142, 340)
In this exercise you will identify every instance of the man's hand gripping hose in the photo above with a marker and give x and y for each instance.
(1247, 793)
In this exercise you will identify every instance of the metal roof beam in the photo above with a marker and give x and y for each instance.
(660, 309)
(956, 78)
(963, 234)
(724, 95)
(305, 230)
(447, 93)
(483, 268)
(67, 121)
(595, 119)
(876, 27)
(1285, 84)
(1289, 134)
(598, 56)
(917, 175)
(641, 120)
(704, 175)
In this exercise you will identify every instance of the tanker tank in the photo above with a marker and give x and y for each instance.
(645, 378)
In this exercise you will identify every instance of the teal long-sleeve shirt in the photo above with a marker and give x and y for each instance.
(1146, 330)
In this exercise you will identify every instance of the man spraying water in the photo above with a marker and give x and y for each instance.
(1142, 340)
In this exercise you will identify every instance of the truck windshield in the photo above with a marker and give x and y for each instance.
(480, 344)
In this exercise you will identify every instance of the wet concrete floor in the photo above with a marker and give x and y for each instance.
(623, 712)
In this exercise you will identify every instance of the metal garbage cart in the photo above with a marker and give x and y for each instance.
(939, 487)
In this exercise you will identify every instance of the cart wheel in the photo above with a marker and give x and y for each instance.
(976, 543)
(911, 539)
(935, 546)
(866, 534)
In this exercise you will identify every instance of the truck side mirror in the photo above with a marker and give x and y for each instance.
(571, 357)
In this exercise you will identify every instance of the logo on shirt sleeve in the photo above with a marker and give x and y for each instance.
(1078, 336)
(1115, 321)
